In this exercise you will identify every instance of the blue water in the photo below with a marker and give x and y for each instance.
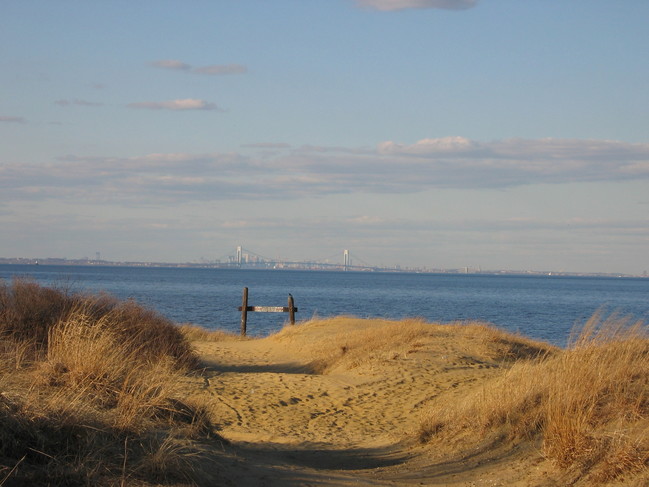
(541, 307)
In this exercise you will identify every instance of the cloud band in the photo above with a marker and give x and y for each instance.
(453, 162)
(183, 104)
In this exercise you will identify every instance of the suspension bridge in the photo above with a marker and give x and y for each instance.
(343, 261)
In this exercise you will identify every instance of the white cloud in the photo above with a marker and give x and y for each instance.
(12, 119)
(459, 162)
(184, 104)
(267, 145)
(78, 102)
(389, 5)
(546, 149)
(213, 69)
(427, 146)
(637, 168)
(370, 220)
(452, 162)
(172, 64)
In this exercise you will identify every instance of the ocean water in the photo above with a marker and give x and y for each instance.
(540, 307)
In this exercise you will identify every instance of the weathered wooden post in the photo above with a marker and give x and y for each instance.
(244, 311)
(291, 310)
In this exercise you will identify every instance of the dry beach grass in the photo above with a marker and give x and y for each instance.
(99, 392)
(90, 391)
(588, 405)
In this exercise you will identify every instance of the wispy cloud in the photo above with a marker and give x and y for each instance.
(395, 168)
(183, 104)
(220, 69)
(77, 102)
(389, 5)
(515, 162)
(213, 69)
(172, 64)
(267, 145)
(12, 119)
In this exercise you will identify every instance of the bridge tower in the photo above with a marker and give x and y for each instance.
(346, 261)
(239, 255)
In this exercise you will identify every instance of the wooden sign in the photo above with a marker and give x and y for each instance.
(267, 309)
(244, 308)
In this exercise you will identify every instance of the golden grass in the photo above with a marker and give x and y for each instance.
(195, 333)
(589, 403)
(28, 310)
(97, 397)
(363, 342)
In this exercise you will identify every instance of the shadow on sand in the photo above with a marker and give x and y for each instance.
(275, 368)
(269, 464)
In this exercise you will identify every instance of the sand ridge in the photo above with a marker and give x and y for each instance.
(357, 422)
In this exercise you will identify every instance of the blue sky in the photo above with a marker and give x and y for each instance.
(439, 133)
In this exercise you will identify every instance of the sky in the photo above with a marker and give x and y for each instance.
(491, 134)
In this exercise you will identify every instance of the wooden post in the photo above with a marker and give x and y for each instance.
(244, 308)
(244, 311)
(291, 310)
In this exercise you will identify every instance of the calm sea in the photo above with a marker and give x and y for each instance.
(542, 307)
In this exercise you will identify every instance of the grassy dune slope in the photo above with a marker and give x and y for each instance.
(588, 405)
(99, 392)
(90, 392)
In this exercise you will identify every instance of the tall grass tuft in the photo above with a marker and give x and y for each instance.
(151, 334)
(598, 399)
(91, 391)
(28, 310)
(589, 403)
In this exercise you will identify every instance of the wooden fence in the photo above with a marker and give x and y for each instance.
(245, 309)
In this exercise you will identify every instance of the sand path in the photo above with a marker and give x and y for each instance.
(354, 425)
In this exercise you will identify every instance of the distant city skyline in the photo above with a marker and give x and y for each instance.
(428, 133)
(249, 260)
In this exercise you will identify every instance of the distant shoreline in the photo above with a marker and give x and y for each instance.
(53, 261)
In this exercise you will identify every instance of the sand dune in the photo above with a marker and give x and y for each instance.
(340, 402)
